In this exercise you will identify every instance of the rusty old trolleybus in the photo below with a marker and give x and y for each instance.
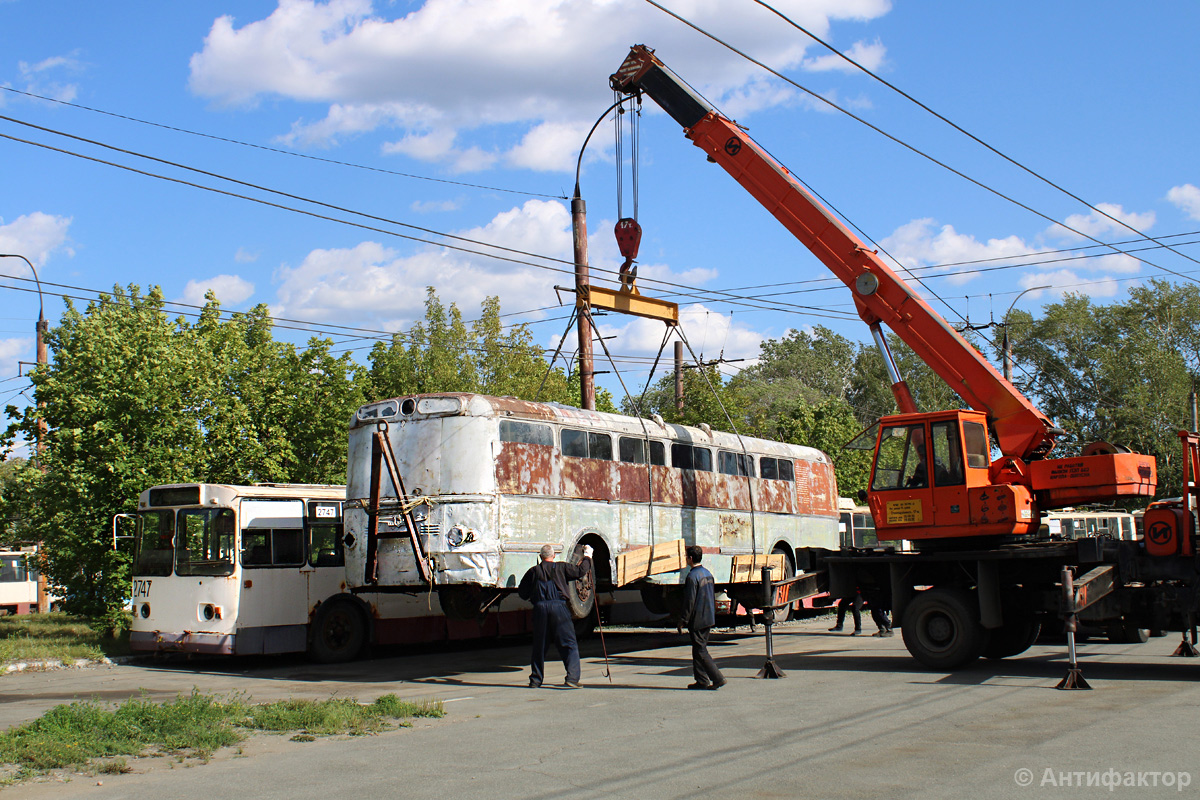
(458, 492)
(230, 570)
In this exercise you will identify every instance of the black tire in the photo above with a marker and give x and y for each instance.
(339, 633)
(785, 613)
(654, 599)
(581, 593)
(941, 628)
(1012, 639)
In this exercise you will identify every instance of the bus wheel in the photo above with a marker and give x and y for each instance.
(1012, 639)
(789, 571)
(581, 593)
(339, 633)
(941, 628)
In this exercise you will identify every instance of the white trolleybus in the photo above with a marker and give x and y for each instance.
(249, 570)
(453, 495)
(18, 582)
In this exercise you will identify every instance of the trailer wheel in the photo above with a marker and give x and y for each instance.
(1012, 639)
(941, 628)
(339, 633)
(787, 612)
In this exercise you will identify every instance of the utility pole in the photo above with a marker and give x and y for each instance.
(678, 375)
(43, 597)
(587, 378)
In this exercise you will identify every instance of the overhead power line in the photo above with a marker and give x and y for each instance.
(912, 148)
(281, 151)
(967, 133)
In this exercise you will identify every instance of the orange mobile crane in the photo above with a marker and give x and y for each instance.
(979, 582)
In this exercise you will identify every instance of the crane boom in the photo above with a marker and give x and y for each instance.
(879, 294)
(933, 475)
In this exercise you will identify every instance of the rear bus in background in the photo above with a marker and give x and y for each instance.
(18, 582)
(487, 481)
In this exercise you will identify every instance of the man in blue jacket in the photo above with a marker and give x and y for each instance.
(700, 614)
(545, 585)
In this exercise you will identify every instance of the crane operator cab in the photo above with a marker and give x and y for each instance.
(932, 479)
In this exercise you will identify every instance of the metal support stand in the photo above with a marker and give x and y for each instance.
(1074, 678)
(1187, 649)
(770, 669)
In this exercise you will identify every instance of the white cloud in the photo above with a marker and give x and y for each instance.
(1096, 225)
(12, 351)
(229, 289)
(450, 66)
(429, 206)
(1187, 199)
(40, 78)
(917, 244)
(710, 334)
(438, 146)
(35, 236)
(870, 55)
(372, 282)
(244, 256)
(549, 146)
(1062, 281)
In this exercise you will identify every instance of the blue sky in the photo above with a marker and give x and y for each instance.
(492, 100)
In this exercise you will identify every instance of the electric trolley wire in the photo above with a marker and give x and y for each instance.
(967, 133)
(901, 142)
(280, 151)
(691, 291)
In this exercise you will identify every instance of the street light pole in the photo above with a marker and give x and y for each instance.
(1008, 362)
(43, 597)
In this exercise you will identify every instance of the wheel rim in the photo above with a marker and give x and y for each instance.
(938, 631)
(338, 630)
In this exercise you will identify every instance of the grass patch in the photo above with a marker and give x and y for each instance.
(55, 637)
(85, 732)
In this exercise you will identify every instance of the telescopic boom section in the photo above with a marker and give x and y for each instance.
(879, 294)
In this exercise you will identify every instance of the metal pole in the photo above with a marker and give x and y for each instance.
(678, 375)
(1008, 362)
(43, 596)
(770, 669)
(587, 379)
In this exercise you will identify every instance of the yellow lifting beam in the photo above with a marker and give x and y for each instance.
(627, 302)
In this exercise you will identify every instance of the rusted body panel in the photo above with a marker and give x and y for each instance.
(495, 502)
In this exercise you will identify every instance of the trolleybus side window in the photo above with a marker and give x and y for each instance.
(325, 547)
(155, 543)
(12, 569)
(633, 451)
(585, 444)
(685, 456)
(730, 463)
(776, 468)
(272, 547)
(205, 542)
(512, 430)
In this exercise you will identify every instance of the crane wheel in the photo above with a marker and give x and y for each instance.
(941, 628)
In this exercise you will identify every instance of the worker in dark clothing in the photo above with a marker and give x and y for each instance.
(854, 605)
(545, 585)
(700, 614)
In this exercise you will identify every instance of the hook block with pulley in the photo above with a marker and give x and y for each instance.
(629, 239)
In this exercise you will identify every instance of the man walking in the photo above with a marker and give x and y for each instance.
(545, 585)
(700, 614)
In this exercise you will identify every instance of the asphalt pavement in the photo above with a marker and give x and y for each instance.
(854, 717)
